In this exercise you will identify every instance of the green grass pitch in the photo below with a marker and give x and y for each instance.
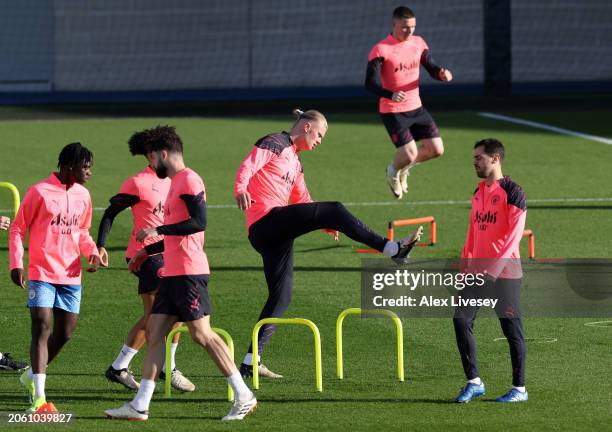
(568, 381)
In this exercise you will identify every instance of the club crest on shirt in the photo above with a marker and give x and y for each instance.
(495, 200)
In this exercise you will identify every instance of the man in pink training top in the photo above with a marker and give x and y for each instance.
(270, 187)
(393, 76)
(183, 294)
(497, 221)
(145, 193)
(57, 214)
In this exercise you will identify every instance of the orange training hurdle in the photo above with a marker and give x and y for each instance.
(407, 222)
(529, 233)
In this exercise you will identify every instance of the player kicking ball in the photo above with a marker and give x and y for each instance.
(57, 214)
(183, 294)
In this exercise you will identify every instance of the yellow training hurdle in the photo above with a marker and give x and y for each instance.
(16, 200)
(298, 321)
(358, 311)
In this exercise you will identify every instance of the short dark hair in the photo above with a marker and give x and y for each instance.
(165, 138)
(74, 155)
(139, 142)
(403, 12)
(492, 147)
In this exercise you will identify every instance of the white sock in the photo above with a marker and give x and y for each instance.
(143, 398)
(476, 381)
(30, 373)
(248, 359)
(124, 358)
(1, 356)
(241, 391)
(39, 385)
(391, 248)
(521, 389)
(172, 354)
(391, 171)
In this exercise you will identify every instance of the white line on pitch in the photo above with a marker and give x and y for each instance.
(415, 203)
(545, 127)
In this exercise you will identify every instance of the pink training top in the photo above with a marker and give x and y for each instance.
(400, 71)
(497, 222)
(149, 210)
(58, 220)
(183, 255)
(272, 174)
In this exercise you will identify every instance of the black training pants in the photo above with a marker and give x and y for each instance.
(508, 311)
(272, 236)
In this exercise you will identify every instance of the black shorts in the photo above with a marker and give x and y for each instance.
(148, 280)
(183, 296)
(404, 127)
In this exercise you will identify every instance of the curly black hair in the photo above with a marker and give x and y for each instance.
(165, 138)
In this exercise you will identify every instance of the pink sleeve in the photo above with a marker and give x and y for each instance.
(374, 53)
(516, 226)
(424, 45)
(86, 243)
(129, 187)
(468, 246)
(253, 163)
(299, 193)
(19, 227)
(194, 185)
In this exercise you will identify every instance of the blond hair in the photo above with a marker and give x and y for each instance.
(312, 115)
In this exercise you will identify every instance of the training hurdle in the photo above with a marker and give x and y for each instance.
(433, 237)
(358, 311)
(183, 329)
(293, 321)
(16, 200)
(529, 233)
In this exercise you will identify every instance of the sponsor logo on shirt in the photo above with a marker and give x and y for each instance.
(484, 219)
(158, 209)
(65, 222)
(289, 180)
(406, 66)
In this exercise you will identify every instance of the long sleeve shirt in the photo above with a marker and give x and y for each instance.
(272, 174)
(497, 222)
(58, 221)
